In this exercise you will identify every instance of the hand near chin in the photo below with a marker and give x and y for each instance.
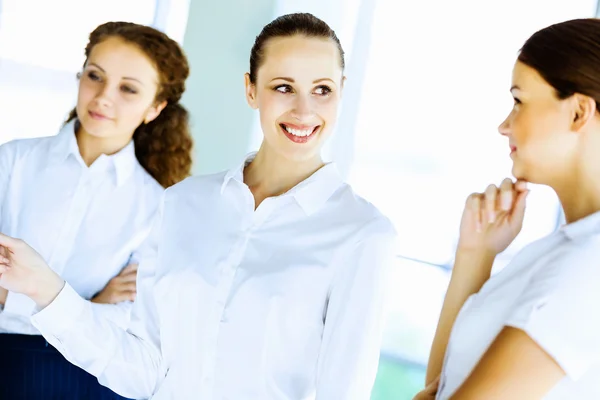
(23, 270)
(492, 220)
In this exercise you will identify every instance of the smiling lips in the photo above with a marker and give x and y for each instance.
(98, 116)
(299, 134)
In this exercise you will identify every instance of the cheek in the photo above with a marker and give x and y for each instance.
(274, 102)
(271, 107)
(328, 109)
(527, 125)
(131, 113)
(85, 94)
(537, 125)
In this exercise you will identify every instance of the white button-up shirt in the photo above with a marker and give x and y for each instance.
(550, 290)
(281, 302)
(86, 222)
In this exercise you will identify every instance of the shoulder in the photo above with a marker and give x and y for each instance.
(19, 148)
(558, 307)
(572, 260)
(364, 215)
(564, 278)
(197, 185)
(150, 186)
(195, 191)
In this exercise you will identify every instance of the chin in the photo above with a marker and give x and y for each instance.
(527, 176)
(520, 176)
(96, 129)
(300, 156)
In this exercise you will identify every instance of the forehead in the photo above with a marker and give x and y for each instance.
(301, 57)
(529, 80)
(117, 57)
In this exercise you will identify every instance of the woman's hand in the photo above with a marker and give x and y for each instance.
(493, 219)
(120, 288)
(23, 270)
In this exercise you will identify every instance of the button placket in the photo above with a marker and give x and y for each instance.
(68, 232)
(226, 271)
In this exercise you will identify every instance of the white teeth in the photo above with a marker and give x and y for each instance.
(298, 132)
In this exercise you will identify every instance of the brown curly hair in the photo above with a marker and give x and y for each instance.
(163, 146)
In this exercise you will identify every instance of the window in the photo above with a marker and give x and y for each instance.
(42, 48)
(436, 87)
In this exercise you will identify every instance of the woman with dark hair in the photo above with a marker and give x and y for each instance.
(533, 330)
(85, 199)
(261, 282)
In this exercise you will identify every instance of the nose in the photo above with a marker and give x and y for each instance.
(505, 127)
(302, 107)
(104, 96)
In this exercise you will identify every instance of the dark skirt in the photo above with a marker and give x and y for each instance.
(31, 369)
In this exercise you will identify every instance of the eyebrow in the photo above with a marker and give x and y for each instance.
(291, 80)
(125, 77)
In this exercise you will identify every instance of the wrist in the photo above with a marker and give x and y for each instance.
(47, 289)
(480, 253)
(98, 299)
(474, 263)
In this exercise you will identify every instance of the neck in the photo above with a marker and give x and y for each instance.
(91, 147)
(271, 174)
(579, 194)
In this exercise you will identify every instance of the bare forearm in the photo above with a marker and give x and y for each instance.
(471, 270)
(47, 288)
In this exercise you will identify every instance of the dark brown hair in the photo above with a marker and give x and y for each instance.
(163, 146)
(567, 56)
(290, 25)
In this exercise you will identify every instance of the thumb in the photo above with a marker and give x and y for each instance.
(518, 212)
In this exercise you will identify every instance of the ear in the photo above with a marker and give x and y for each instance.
(343, 83)
(250, 92)
(585, 110)
(154, 111)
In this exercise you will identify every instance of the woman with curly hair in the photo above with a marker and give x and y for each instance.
(86, 197)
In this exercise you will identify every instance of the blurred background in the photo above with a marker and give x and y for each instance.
(428, 84)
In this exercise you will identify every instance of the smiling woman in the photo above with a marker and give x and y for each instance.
(296, 105)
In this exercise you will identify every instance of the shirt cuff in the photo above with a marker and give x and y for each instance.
(62, 314)
(19, 304)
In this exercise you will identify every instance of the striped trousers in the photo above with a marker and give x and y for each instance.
(31, 369)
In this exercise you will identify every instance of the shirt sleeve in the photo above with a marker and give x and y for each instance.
(127, 361)
(559, 308)
(349, 355)
(118, 313)
(19, 304)
(7, 160)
